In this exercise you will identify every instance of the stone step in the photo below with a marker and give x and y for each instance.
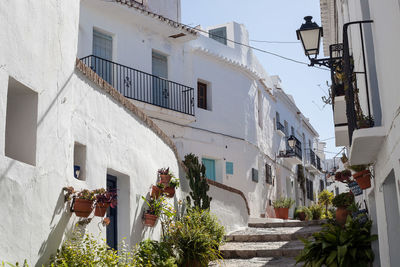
(271, 234)
(255, 262)
(273, 223)
(247, 250)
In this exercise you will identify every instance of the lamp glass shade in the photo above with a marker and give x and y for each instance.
(291, 142)
(310, 40)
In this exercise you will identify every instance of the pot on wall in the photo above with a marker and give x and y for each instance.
(282, 213)
(165, 178)
(101, 209)
(155, 192)
(82, 207)
(150, 219)
(341, 215)
(169, 191)
(363, 179)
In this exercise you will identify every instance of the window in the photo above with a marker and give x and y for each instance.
(321, 185)
(218, 34)
(102, 48)
(229, 167)
(21, 122)
(292, 130)
(79, 161)
(286, 128)
(209, 164)
(278, 119)
(310, 193)
(202, 95)
(268, 174)
(260, 109)
(254, 175)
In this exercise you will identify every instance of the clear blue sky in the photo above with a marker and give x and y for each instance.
(276, 20)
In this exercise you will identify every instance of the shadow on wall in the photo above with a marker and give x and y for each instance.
(56, 235)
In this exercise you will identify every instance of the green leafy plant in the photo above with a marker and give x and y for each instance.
(343, 200)
(160, 185)
(198, 183)
(283, 202)
(86, 194)
(154, 206)
(358, 168)
(316, 211)
(154, 253)
(305, 210)
(325, 198)
(7, 264)
(174, 182)
(339, 246)
(196, 237)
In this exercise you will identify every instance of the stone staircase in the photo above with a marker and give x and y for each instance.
(266, 242)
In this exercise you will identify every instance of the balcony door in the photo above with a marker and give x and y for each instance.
(160, 83)
(102, 48)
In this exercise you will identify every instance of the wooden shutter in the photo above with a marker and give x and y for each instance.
(268, 174)
(202, 95)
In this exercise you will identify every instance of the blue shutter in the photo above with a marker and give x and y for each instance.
(229, 167)
(210, 168)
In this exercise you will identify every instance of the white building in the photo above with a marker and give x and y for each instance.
(132, 105)
(373, 46)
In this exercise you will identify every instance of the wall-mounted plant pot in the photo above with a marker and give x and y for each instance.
(165, 178)
(302, 216)
(101, 209)
(82, 207)
(363, 179)
(341, 215)
(150, 219)
(169, 191)
(155, 192)
(282, 213)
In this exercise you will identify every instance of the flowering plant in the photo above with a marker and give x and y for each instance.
(174, 182)
(106, 196)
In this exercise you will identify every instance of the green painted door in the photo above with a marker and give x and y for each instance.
(210, 168)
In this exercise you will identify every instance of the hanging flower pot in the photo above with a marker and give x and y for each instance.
(363, 179)
(150, 219)
(155, 191)
(82, 207)
(169, 191)
(165, 178)
(101, 209)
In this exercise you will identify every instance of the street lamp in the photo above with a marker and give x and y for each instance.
(310, 35)
(291, 142)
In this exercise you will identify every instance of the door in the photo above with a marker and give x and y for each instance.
(102, 49)
(210, 168)
(160, 84)
(112, 228)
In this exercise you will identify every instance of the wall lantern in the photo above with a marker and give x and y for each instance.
(291, 142)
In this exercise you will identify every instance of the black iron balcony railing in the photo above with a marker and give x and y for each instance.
(295, 152)
(319, 163)
(142, 86)
(280, 127)
(312, 158)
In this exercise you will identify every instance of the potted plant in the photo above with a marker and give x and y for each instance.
(104, 199)
(165, 175)
(154, 209)
(303, 213)
(170, 189)
(365, 122)
(342, 202)
(344, 158)
(156, 190)
(83, 203)
(362, 175)
(282, 206)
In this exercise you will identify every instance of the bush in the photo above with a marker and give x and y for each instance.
(339, 246)
(154, 253)
(283, 202)
(328, 213)
(197, 236)
(343, 200)
(316, 211)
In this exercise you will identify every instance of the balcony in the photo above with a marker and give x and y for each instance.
(311, 164)
(280, 129)
(292, 156)
(168, 100)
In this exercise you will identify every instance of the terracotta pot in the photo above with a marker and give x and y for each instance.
(155, 191)
(341, 215)
(169, 191)
(101, 209)
(282, 213)
(302, 216)
(363, 179)
(150, 219)
(83, 207)
(165, 178)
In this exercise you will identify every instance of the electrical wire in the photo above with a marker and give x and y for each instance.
(274, 42)
(253, 47)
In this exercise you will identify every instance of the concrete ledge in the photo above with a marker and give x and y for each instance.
(268, 223)
(365, 145)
